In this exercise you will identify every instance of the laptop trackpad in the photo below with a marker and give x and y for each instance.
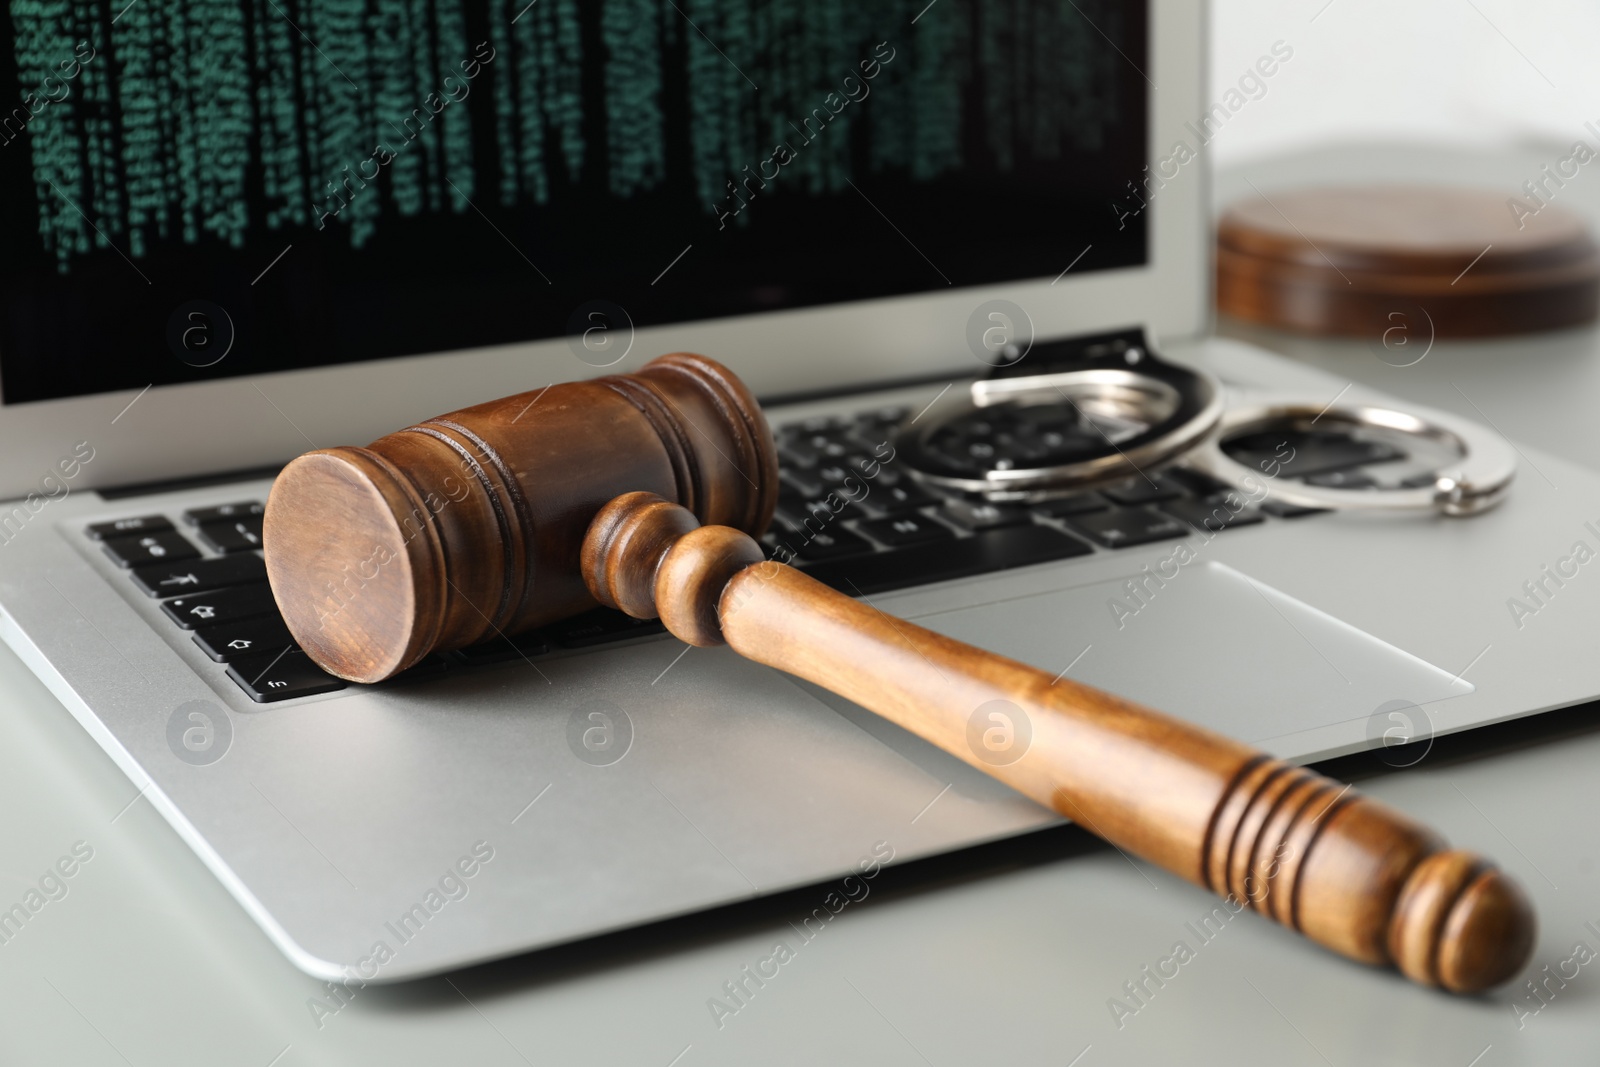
(1213, 645)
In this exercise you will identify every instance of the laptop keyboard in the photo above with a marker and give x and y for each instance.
(844, 516)
(863, 526)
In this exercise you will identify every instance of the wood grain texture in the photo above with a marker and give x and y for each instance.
(1343, 261)
(1343, 870)
(469, 525)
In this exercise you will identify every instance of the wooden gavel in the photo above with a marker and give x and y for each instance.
(642, 492)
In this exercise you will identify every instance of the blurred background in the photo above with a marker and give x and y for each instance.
(1458, 73)
(1479, 93)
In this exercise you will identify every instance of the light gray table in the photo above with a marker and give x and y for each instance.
(1007, 959)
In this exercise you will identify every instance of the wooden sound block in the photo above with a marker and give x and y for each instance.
(1346, 261)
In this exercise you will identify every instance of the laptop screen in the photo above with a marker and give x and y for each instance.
(197, 189)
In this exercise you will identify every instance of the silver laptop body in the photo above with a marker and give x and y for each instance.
(499, 807)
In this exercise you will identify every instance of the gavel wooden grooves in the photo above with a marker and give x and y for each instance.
(601, 498)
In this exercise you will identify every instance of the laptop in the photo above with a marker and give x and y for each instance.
(271, 236)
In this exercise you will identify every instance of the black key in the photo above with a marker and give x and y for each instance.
(811, 449)
(804, 482)
(798, 454)
(819, 482)
(143, 524)
(975, 515)
(239, 640)
(165, 546)
(1078, 504)
(795, 530)
(820, 509)
(1213, 515)
(873, 438)
(1284, 510)
(1197, 482)
(884, 499)
(884, 476)
(281, 677)
(1297, 454)
(981, 453)
(1346, 479)
(1125, 527)
(201, 575)
(233, 535)
(500, 649)
(220, 606)
(829, 544)
(834, 473)
(814, 425)
(1142, 490)
(789, 494)
(901, 530)
(243, 510)
(833, 453)
(992, 550)
(598, 627)
(881, 419)
(865, 467)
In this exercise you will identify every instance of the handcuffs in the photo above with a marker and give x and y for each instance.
(1092, 412)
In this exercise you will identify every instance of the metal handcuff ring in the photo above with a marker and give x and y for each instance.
(1476, 481)
(1079, 429)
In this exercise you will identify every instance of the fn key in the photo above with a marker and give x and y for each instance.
(281, 677)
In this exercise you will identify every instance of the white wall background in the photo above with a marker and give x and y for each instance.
(1440, 71)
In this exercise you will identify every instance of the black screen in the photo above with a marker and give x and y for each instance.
(203, 188)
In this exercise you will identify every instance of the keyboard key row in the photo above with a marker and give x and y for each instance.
(976, 515)
(887, 531)
(281, 676)
(162, 546)
(827, 534)
(225, 600)
(992, 550)
(200, 575)
(1126, 527)
(221, 605)
(1304, 453)
(1145, 490)
(232, 535)
(245, 510)
(141, 524)
(251, 636)
(1081, 504)
(1213, 515)
(903, 530)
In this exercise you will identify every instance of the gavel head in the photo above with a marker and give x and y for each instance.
(468, 526)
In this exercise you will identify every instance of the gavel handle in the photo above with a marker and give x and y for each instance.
(1344, 870)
